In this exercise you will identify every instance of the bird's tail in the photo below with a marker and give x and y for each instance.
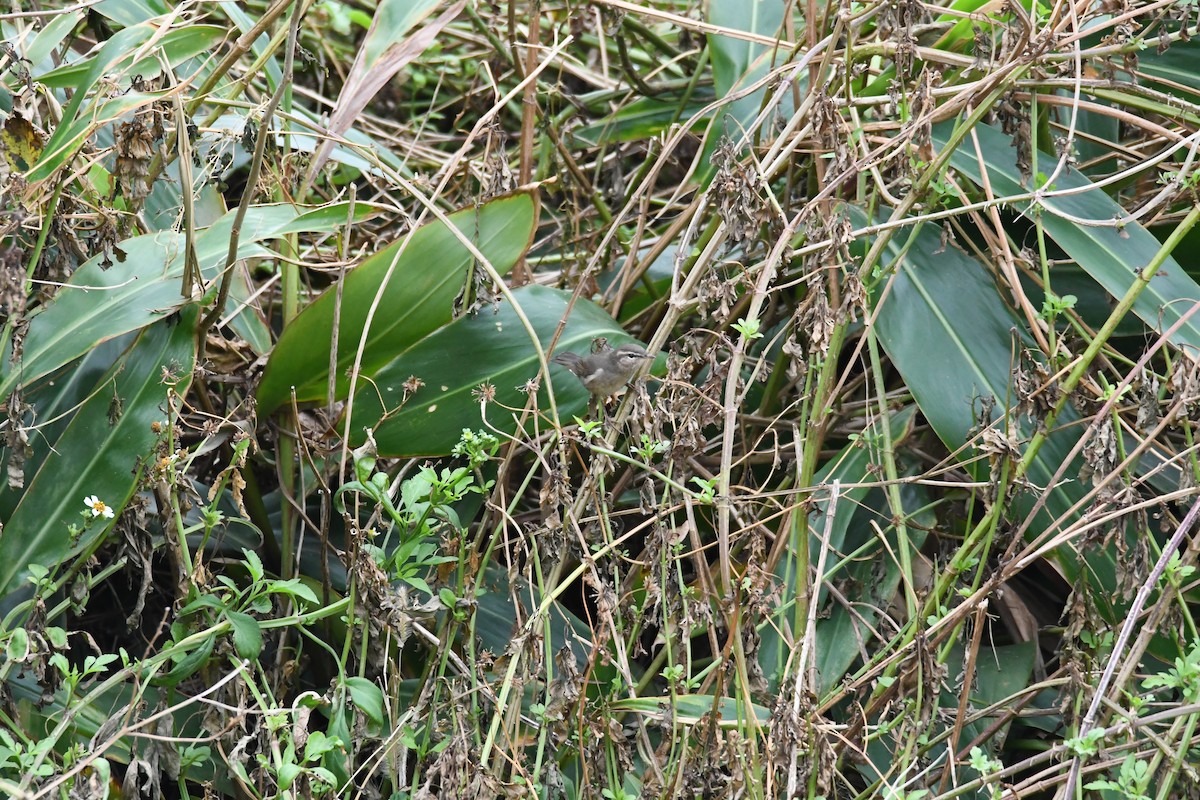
(571, 361)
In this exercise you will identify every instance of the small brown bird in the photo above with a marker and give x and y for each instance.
(605, 372)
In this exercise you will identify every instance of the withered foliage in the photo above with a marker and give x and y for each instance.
(887, 500)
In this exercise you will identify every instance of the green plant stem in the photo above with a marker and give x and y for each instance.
(892, 474)
(1084, 362)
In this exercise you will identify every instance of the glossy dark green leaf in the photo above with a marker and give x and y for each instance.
(131, 12)
(1176, 71)
(1098, 142)
(247, 635)
(850, 466)
(98, 304)
(499, 611)
(100, 452)
(1111, 256)
(871, 566)
(738, 63)
(175, 46)
(949, 333)
(644, 118)
(367, 697)
(430, 272)
(485, 348)
(1001, 672)
(188, 664)
(55, 400)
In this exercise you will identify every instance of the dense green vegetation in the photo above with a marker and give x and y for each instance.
(296, 503)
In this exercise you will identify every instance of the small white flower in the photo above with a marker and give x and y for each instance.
(99, 507)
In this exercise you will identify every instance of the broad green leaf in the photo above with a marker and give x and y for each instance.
(779, 636)
(131, 12)
(690, 709)
(287, 771)
(81, 76)
(1177, 71)
(244, 22)
(1111, 256)
(871, 566)
(98, 304)
(175, 46)
(431, 269)
(99, 452)
(162, 206)
(390, 44)
(110, 60)
(738, 63)
(964, 22)
(950, 334)
(86, 71)
(278, 219)
(644, 118)
(367, 696)
(488, 347)
(1000, 672)
(68, 137)
(55, 401)
(47, 39)
(1098, 140)
(322, 218)
(392, 21)
(498, 615)
(247, 635)
(294, 588)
